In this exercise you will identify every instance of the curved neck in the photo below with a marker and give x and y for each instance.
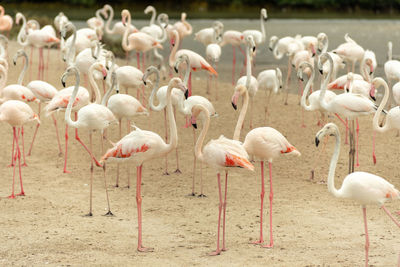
(306, 90)
(262, 27)
(174, 49)
(22, 74)
(248, 67)
(172, 125)
(1, 11)
(325, 47)
(22, 33)
(98, 16)
(187, 72)
(332, 167)
(242, 115)
(109, 91)
(159, 107)
(71, 101)
(163, 37)
(322, 100)
(94, 85)
(125, 45)
(364, 72)
(109, 20)
(375, 121)
(202, 136)
(71, 49)
(4, 75)
(153, 16)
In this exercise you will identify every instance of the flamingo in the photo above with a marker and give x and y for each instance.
(118, 28)
(298, 58)
(141, 42)
(97, 22)
(183, 27)
(185, 107)
(234, 38)
(213, 54)
(59, 20)
(350, 51)
(266, 144)
(392, 69)
(3, 49)
(16, 113)
(91, 117)
(6, 22)
(196, 61)
(249, 81)
(123, 106)
(206, 36)
(220, 154)
(141, 146)
(347, 105)
(392, 117)
(269, 81)
(363, 187)
(259, 37)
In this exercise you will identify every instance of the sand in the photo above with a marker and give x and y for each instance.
(311, 227)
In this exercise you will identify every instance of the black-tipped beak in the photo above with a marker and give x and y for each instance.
(95, 57)
(270, 49)
(254, 49)
(63, 83)
(123, 23)
(321, 71)
(15, 63)
(105, 77)
(301, 79)
(370, 73)
(334, 52)
(186, 94)
(280, 87)
(117, 91)
(313, 55)
(373, 98)
(319, 50)
(234, 106)
(293, 66)
(316, 141)
(176, 70)
(144, 82)
(194, 125)
(107, 68)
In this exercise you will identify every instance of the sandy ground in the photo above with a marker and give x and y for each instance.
(311, 227)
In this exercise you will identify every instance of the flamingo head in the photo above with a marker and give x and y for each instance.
(328, 129)
(312, 48)
(18, 17)
(279, 77)
(239, 90)
(264, 13)
(70, 70)
(150, 70)
(124, 14)
(373, 90)
(272, 42)
(19, 53)
(177, 83)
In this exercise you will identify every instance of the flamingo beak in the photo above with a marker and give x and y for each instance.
(63, 83)
(193, 120)
(316, 141)
(186, 94)
(321, 71)
(313, 50)
(372, 92)
(235, 98)
(371, 69)
(104, 73)
(123, 21)
(176, 69)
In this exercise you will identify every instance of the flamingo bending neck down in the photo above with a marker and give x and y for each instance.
(141, 146)
(363, 187)
(221, 154)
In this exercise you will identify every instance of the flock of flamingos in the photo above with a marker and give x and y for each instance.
(86, 57)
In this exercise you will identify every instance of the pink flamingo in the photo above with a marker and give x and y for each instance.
(6, 22)
(141, 42)
(220, 154)
(350, 51)
(392, 69)
(363, 187)
(266, 144)
(183, 27)
(118, 28)
(123, 106)
(259, 37)
(91, 117)
(206, 36)
(197, 62)
(269, 81)
(235, 39)
(16, 113)
(141, 146)
(213, 54)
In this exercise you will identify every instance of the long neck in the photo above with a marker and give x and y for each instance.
(71, 101)
(125, 45)
(94, 86)
(187, 72)
(202, 136)
(71, 49)
(22, 33)
(108, 93)
(262, 27)
(173, 52)
(22, 74)
(4, 74)
(242, 115)
(172, 125)
(305, 93)
(109, 20)
(364, 72)
(98, 15)
(375, 121)
(322, 100)
(390, 54)
(325, 48)
(159, 107)
(153, 17)
(163, 37)
(248, 67)
(332, 168)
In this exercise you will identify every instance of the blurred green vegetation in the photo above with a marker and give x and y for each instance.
(78, 9)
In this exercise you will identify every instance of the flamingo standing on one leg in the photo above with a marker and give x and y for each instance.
(141, 146)
(16, 113)
(91, 117)
(220, 154)
(264, 143)
(363, 187)
(234, 38)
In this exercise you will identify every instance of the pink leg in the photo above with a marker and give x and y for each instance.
(194, 164)
(251, 111)
(120, 135)
(216, 83)
(190, 84)
(201, 181)
(34, 135)
(166, 140)
(47, 63)
(366, 235)
(23, 147)
(15, 157)
(40, 63)
(288, 81)
(224, 206)
(12, 153)
(143, 61)
(138, 60)
(128, 169)
(357, 136)
(346, 124)
(66, 149)
(271, 196)
(373, 148)
(261, 240)
(87, 149)
(58, 136)
(30, 64)
(218, 250)
(233, 65)
(139, 210)
(18, 151)
(91, 178)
